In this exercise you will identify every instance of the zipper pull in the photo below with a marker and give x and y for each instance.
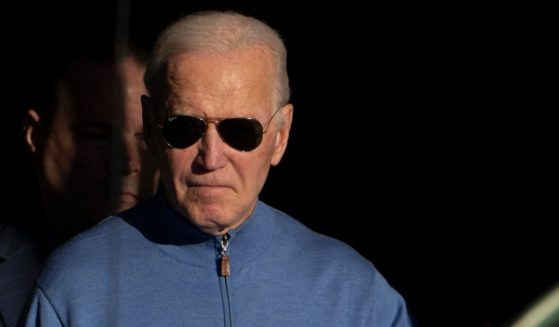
(224, 263)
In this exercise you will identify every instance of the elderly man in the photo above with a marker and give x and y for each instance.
(206, 251)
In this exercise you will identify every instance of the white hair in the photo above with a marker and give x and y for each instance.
(216, 32)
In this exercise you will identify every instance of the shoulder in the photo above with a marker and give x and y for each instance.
(290, 229)
(336, 269)
(16, 243)
(20, 265)
(84, 250)
(87, 256)
(293, 237)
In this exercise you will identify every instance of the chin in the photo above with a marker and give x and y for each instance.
(124, 201)
(211, 218)
(121, 207)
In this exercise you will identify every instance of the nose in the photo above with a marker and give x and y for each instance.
(211, 149)
(125, 158)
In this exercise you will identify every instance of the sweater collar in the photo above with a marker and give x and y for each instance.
(178, 238)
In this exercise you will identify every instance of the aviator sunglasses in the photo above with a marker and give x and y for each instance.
(242, 134)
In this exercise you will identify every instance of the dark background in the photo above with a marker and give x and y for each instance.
(424, 136)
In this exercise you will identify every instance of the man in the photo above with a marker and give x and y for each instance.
(88, 151)
(205, 251)
(83, 133)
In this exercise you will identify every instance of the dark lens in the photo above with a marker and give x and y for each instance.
(183, 131)
(243, 134)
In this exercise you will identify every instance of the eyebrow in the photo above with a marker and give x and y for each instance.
(177, 108)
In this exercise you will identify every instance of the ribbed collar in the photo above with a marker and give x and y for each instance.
(177, 237)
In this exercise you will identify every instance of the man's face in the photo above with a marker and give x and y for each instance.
(95, 161)
(213, 185)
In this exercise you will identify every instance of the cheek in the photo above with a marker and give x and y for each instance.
(176, 164)
(91, 164)
(262, 174)
(255, 168)
(58, 160)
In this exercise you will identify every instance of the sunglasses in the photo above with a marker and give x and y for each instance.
(242, 134)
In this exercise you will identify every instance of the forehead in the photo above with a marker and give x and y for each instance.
(96, 91)
(218, 83)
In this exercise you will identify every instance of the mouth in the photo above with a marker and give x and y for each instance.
(209, 186)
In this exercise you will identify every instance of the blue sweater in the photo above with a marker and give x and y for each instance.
(150, 267)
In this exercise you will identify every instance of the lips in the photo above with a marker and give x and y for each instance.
(207, 184)
(208, 187)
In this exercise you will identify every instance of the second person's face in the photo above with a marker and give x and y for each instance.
(95, 156)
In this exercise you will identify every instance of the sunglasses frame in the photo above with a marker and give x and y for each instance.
(216, 121)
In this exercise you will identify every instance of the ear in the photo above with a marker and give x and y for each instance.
(32, 131)
(149, 118)
(282, 136)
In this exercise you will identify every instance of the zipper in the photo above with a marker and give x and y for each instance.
(224, 264)
(224, 272)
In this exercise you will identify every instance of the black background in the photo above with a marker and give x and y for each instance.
(424, 136)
